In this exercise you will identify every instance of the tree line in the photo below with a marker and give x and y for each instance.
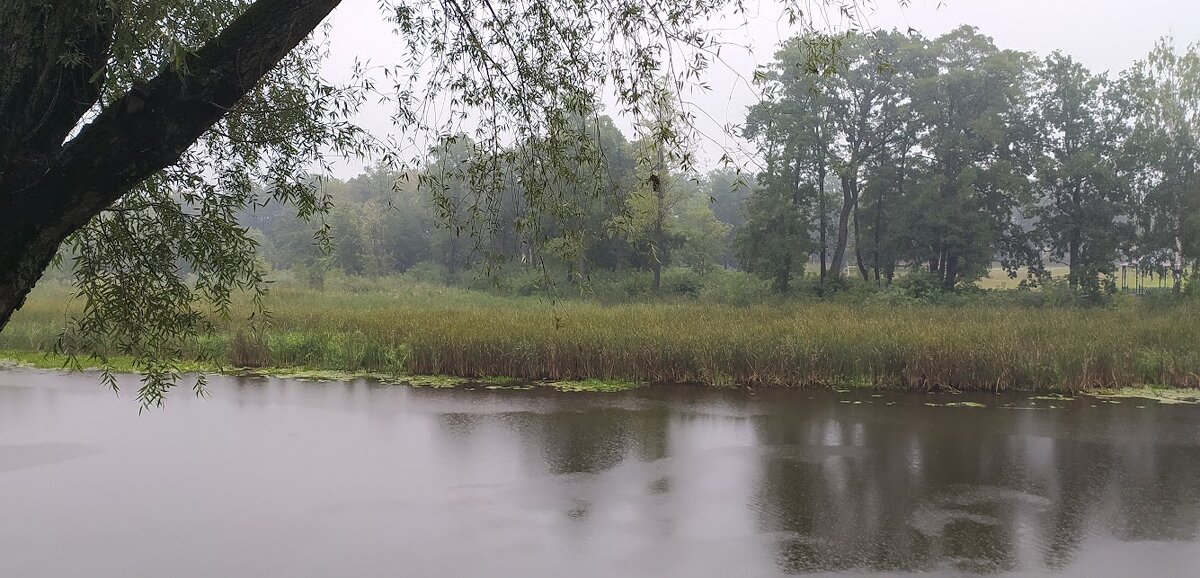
(627, 212)
(946, 155)
(951, 154)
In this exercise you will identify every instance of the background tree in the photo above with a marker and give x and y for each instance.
(884, 233)
(728, 190)
(774, 241)
(970, 99)
(1164, 92)
(792, 127)
(861, 97)
(1081, 201)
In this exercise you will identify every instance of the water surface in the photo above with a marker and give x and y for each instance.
(273, 477)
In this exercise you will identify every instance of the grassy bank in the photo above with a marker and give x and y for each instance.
(397, 328)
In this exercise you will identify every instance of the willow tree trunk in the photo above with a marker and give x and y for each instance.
(52, 61)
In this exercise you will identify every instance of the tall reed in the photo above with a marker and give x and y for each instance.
(435, 330)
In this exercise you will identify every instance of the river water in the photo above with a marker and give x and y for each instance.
(275, 477)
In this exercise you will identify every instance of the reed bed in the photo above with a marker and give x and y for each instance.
(431, 330)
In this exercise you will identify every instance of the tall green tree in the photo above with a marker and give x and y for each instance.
(862, 98)
(774, 241)
(1164, 149)
(728, 189)
(970, 98)
(832, 122)
(1081, 201)
(883, 232)
(792, 128)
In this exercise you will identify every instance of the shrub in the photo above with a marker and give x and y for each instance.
(682, 282)
(920, 285)
(735, 288)
(427, 272)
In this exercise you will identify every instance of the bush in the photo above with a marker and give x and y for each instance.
(311, 274)
(735, 288)
(920, 285)
(1191, 285)
(616, 286)
(682, 282)
(524, 282)
(427, 272)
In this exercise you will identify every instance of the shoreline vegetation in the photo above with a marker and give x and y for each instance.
(56, 362)
(392, 329)
(124, 365)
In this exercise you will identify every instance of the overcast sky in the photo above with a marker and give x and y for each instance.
(1103, 34)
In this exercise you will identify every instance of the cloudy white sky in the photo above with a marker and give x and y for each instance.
(1103, 34)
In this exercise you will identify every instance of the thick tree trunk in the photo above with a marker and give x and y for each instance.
(858, 258)
(950, 275)
(18, 275)
(48, 188)
(843, 231)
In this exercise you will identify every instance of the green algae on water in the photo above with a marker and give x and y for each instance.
(1164, 396)
(973, 404)
(1053, 397)
(598, 385)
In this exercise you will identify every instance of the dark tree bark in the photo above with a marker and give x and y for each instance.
(858, 257)
(838, 262)
(50, 188)
(1074, 269)
(849, 209)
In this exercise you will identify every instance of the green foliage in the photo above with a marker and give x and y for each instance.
(682, 282)
(774, 241)
(1083, 196)
(383, 222)
(1162, 101)
(951, 155)
(734, 288)
(920, 285)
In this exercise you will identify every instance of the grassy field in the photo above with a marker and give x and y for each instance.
(397, 328)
